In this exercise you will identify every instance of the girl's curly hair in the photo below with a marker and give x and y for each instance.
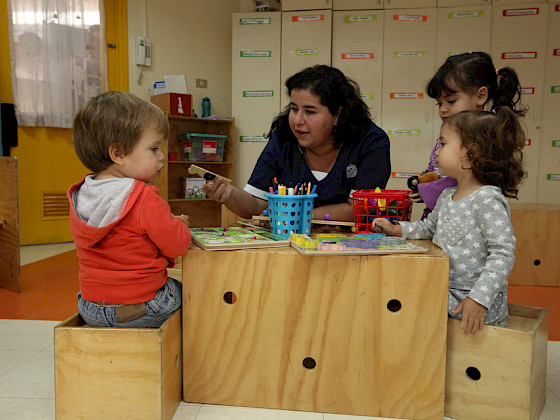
(494, 142)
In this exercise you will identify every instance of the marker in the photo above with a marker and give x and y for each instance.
(313, 189)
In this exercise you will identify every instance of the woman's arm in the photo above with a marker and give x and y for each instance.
(343, 212)
(238, 201)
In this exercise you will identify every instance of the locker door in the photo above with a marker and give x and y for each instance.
(515, 2)
(408, 63)
(460, 30)
(306, 4)
(410, 4)
(548, 189)
(255, 84)
(510, 46)
(357, 51)
(357, 4)
(306, 41)
(463, 3)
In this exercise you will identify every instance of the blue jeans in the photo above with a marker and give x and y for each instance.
(166, 301)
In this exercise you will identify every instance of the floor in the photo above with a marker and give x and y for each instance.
(27, 373)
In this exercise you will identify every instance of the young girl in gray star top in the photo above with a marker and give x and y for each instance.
(471, 222)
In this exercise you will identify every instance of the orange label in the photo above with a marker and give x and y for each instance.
(357, 56)
(308, 18)
(403, 174)
(406, 95)
(411, 18)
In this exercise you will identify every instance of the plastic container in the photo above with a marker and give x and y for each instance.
(391, 204)
(290, 213)
(203, 147)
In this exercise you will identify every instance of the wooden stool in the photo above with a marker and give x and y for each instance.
(500, 373)
(117, 373)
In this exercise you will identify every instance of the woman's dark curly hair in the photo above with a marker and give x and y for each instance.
(336, 91)
(469, 72)
(494, 142)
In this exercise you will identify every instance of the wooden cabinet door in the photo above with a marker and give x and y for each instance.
(512, 47)
(288, 5)
(306, 41)
(357, 51)
(408, 4)
(357, 4)
(548, 188)
(408, 63)
(256, 89)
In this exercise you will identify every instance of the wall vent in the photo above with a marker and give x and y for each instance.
(55, 206)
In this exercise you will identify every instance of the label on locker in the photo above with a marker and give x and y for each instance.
(403, 174)
(528, 90)
(357, 56)
(466, 14)
(521, 12)
(359, 18)
(519, 55)
(553, 177)
(409, 54)
(252, 139)
(527, 142)
(555, 89)
(367, 96)
(556, 51)
(406, 95)
(209, 146)
(255, 53)
(557, 8)
(254, 21)
(555, 143)
(257, 93)
(308, 18)
(307, 52)
(411, 18)
(405, 132)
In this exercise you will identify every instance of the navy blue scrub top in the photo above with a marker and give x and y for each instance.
(362, 165)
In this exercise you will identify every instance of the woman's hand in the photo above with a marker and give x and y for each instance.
(473, 316)
(382, 225)
(218, 190)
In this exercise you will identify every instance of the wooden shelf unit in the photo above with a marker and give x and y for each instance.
(202, 212)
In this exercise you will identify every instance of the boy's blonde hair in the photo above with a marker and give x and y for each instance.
(113, 118)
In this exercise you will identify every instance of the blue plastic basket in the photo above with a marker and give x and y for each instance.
(290, 213)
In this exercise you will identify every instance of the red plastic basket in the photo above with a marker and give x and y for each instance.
(369, 204)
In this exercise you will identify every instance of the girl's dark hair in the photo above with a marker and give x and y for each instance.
(336, 91)
(469, 72)
(494, 141)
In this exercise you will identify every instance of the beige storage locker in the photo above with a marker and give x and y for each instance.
(357, 4)
(408, 63)
(256, 89)
(409, 4)
(548, 190)
(357, 50)
(512, 47)
(459, 30)
(514, 2)
(306, 41)
(463, 3)
(288, 5)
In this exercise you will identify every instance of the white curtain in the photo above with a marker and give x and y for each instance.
(58, 58)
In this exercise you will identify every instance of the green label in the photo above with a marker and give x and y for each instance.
(410, 54)
(405, 132)
(254, 21)
(466, 14)
(555, 89)
(359, 18)
(367, 96)
(553, 177)
(252, 139)
(255, 53)
(258, 93)
(555, 143)
(307, 52)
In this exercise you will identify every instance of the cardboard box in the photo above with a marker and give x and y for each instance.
(118, 373)
(499, 373)
(178, 104)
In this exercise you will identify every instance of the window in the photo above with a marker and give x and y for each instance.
(58, 58)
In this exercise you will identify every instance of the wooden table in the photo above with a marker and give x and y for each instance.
(362, 335)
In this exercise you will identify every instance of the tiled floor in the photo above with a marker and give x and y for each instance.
(27, 374)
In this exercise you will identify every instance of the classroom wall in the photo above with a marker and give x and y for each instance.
(192, 38)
